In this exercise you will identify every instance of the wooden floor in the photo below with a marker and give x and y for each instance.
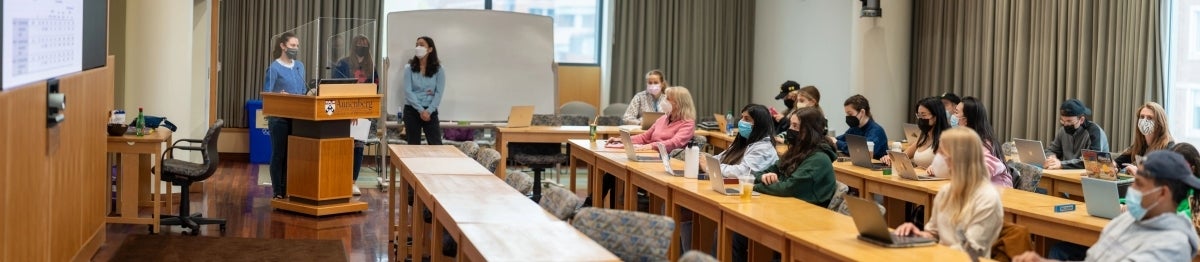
(233, 193)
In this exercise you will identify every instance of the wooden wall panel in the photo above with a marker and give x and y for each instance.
(579, 83)
(55, 180)
(25, 211)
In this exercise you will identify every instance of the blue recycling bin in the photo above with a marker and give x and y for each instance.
(260, 139)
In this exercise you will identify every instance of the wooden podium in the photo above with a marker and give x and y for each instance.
(320, 150)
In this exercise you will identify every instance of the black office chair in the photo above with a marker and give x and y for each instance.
(183, 174)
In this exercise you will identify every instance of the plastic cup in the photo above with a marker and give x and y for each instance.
(747, 184)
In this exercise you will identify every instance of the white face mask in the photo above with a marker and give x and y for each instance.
(421, 52)
(1146, 126)
(654, 89)
(938, 167)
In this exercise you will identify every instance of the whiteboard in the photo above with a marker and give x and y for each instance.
(493, 60)
(41, 39)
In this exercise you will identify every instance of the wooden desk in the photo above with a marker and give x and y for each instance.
(698, 197)
(842, 244)
(1061, 181)
(768, 218)
(1036, 212)
(892, 186)
(138, 155)
(500, 209)
(398, 225)
(538, 134)
(437, 167)
(549, 241)
(613, 164)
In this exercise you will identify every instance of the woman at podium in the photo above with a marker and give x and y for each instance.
(284, 75)
(359, 65)
(424, 85)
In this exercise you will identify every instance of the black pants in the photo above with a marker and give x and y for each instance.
(279, 129)
(607, 186)
(414, 126)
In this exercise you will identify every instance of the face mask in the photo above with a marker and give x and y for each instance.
(789, 135)
(853, 121)
(292, 53)
(924, 125)
(654, 89)
(953, 119)
(361, 51)
(1133, 202)
(1146, 126)
(789, 103)
(421, 52)
(744, 128)
(1070, 129)
(938, 167)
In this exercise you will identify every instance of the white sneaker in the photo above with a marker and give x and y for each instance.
(357, 191)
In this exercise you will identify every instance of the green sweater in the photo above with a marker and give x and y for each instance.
(813, 181)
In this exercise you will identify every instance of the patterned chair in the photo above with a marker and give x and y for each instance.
(560, 201)
(489, 158)
(608, 121)
(578, 108)
(698, 140)
(183, 174)
(520, 181)
(838, 202)
(696, 256)
(632, 236)
(1025, 176)
(470, 148)
(539, 156)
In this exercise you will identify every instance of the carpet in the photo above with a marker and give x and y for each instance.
(189, 248)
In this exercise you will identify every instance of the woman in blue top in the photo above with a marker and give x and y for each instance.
(424, 85)
(359, 65)
(284, 75)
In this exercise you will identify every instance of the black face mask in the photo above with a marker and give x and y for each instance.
(361, 50)
(1070, 129)
(853, 121)
(789, 103)
(924, 125)
(789, 136)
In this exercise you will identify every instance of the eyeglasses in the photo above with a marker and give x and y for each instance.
(922, 116)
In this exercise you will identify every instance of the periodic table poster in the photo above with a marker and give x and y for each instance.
(42, 39)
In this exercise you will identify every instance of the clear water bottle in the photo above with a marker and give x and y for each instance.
(729, 122)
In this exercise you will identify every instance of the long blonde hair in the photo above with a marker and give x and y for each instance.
(683, 108)
(1162, 135)
(968, 173)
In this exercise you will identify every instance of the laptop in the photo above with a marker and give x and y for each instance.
(859, 153)
(904, 167)
(629, 151)
(872, 228)
(1102, 197)
(520, 116)
(666, 161)
(912, 132)
(1030, 152)
(722, 123)
(720, 183)
(648, 119)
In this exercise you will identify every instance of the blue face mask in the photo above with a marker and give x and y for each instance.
(953, 119)
(744, 129)
(1133, 203)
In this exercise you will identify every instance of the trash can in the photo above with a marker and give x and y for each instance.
(260, 139)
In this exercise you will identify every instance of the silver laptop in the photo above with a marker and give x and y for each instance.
(1101, 197)
(720, 183)
(912, 132)
(903, 166)
(648, 119)
(666, 161)
(1030, 152)
(630, 152)
(859, 153)
(872, 227)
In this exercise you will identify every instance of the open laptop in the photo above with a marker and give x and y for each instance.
(912, 132)
(722, 123)
(631, 153)
(1030, 152)
(648, 119)
(1101, 197)
(903, 166)
(872, 227)
(520, 116)
(860, 155)
(666, 161)
(720, 183)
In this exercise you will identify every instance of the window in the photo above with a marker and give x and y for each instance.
(1182, 58)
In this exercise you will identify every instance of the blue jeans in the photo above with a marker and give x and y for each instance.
(280, 129)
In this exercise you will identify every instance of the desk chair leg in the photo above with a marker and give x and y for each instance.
(537, 183)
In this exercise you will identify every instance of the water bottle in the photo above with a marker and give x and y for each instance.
(141, 123)
(729, 122)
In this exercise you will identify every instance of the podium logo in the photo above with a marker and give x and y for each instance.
(330, 106)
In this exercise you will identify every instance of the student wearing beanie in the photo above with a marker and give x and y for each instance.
(1075, 133)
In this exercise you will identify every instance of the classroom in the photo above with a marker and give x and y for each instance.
(599, 130)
